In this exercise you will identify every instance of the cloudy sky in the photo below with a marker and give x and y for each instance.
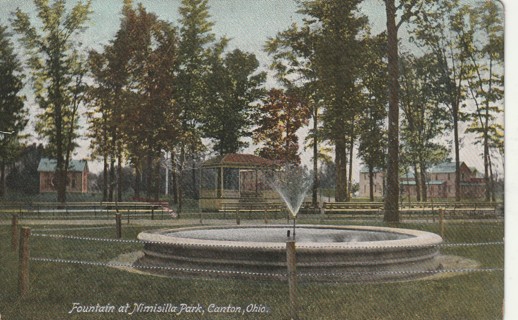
(248, 23)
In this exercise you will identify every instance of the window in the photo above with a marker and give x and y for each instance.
(231, 178)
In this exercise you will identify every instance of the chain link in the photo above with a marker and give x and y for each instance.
(302, 274)
(60, 236)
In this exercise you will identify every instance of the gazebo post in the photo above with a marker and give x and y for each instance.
(256, 181)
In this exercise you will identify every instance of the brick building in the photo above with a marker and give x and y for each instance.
(440, 183)
(77, 179)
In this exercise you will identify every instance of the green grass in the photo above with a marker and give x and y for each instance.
(55, 287)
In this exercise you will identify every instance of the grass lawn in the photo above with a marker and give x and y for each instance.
(55, 287)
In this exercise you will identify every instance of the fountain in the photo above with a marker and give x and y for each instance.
(291, 183)
(324, 253)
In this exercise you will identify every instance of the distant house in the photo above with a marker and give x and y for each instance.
(77, 179)
(440, 183)
(378, 182)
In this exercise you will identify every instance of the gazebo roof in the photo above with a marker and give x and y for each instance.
(239, 160)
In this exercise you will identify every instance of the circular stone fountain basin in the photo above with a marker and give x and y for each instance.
(336, 253)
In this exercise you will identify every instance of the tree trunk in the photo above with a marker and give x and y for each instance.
(391, 203)
(174, 177)
(492, 181)
(111, 184)
(341, 170)
(105, 178)
(180, 182)
(371, 183)
(149, 173)
(157, 179)
(193, 174)
(457, 151)
(2, 179)
(316, 182)
(486, 167)
(138, 176)
(351, 154)
(119, 177)
(60, 177)
(417, 183)
(424, 187)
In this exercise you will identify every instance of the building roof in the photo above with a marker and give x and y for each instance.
(445, 167)
(431, 182)
(239, 160)
(49, 165)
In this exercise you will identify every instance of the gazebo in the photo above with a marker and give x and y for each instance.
(234, 178)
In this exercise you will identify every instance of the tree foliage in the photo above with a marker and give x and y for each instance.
(132, 99)
(55, 58)
(279, 117)
(439, 30)
(13, 114)
(371, 124)
(424, 118)
(484, 45)
(233, 84)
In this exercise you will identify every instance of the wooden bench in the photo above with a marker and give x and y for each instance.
(352, 207)
(452, 208)
(251, 207)
(87, 209)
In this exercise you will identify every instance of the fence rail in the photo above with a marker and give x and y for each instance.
(76, 210)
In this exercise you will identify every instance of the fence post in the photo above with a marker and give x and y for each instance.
(152, 213)
(23, 271)
(292, 277)
(238, 219)
(128, 214)
(118, 225)
(15, 235)
(266, 215)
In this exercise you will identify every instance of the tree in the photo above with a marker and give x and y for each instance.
(153, 121)
(293, 52)
(279, 117)
(338, 31)
(424, 118)
(484, 43)
(13, 115)
(24, 177)
(372, 137)
(195, 41)
(408, 9)
(55, 59)
(391, 201)
(132, 98)
(440, 30)
(233, 85)
(107, 98)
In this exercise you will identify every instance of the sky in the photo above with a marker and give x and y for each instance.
(248, 23)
